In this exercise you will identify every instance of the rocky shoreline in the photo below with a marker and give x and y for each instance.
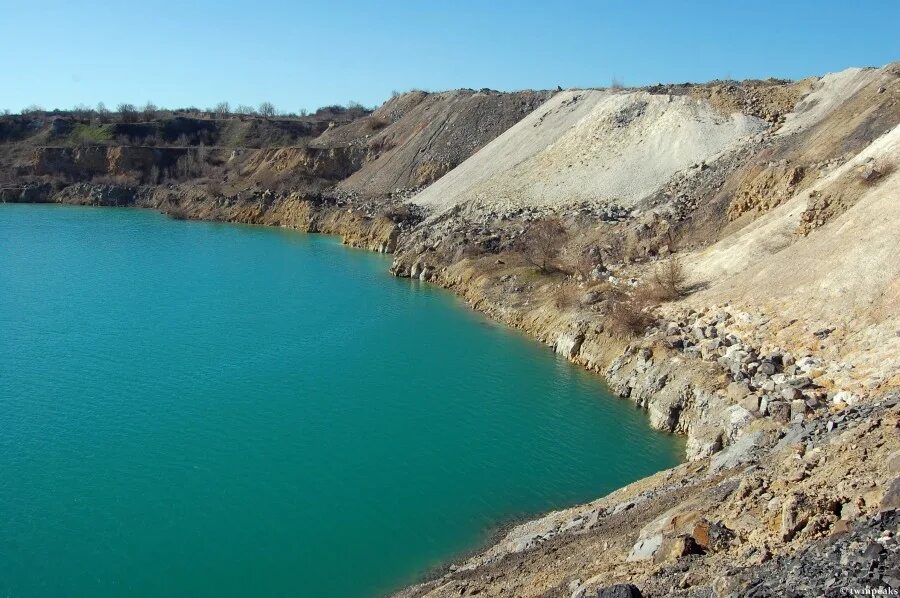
(691, 379)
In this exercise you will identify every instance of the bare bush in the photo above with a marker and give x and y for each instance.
(82, 112)
(154, 176)
(192, 164)
(149, 111)
(542, 243)
(566, 296)
(267, 110)
(629, 316)
(213, 187)
(376, 123)
(668, 280)
(175, 212)
(583, 264)
(222, 110)
(127, 113)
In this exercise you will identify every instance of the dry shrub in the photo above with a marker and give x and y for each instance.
(668, 281)
(629, 316)
(582, 265)
(542, 243)
(566, 296)
(400, 213)
(376, 123)
(175, 212)
(213, 187)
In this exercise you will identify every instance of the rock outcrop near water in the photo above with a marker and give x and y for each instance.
(724, 254)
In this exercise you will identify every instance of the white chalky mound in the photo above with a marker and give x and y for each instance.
(593, 146)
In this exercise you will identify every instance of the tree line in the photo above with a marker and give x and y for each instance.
(130, 113)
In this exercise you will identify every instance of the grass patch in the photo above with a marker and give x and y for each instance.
(86, 134)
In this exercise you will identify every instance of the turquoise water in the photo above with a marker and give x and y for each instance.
(201, 409)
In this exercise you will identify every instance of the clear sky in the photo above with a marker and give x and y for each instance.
(301, 54)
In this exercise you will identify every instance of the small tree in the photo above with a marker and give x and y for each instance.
(82, 112)
(267, 109)
(127, 113)
(102, 112)
(542, 242)
(149, 111)
(245, 109)
(669, 279)
(584, 263)
(222, 109)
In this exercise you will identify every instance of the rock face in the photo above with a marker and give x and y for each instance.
(87, 161)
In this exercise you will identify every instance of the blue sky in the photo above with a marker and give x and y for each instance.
(306, 54)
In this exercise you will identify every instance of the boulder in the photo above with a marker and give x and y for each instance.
(779, 411)
(798, 407)
(766, 367)
(737, 391)
(792, 518)
(646, 548)
(798, 381)
(590, 298)
(751, 403)
(736, 454)
(845, 397)
(621, 590)
(673, 549)
(891, 499)
(790, 394)
(712, 536)
(569, 344)
(893, 462)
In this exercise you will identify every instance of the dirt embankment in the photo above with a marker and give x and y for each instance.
(416, 138)
(769, 366)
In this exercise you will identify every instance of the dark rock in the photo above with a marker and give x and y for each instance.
(873, 551)
(780, 411)
(799, 381)
(621, 590)
(766, 367)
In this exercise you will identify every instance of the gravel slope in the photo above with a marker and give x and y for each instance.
(591, 146)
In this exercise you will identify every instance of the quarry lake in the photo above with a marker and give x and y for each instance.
(203, 409)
